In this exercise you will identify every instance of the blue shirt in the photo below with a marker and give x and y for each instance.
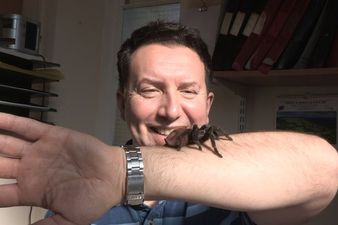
(172, 213)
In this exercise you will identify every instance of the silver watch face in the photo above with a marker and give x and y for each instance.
(135, 199)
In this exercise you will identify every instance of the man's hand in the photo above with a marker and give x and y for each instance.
(75, 175)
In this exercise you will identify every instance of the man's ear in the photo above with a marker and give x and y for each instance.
(121, 102)
(210, 99)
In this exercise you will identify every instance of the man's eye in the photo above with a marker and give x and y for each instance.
(189, 93)
(149, 92)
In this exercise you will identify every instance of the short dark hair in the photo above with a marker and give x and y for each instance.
(166, 33)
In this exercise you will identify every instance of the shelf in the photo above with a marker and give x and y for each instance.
(46, 74)
(293, 77)
(13, 89)
(17, 95)
(29, 106)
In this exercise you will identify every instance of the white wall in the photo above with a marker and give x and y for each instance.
(83, 36)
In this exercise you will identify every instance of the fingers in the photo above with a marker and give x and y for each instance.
(24, 127)
(9, 195)
(8, 167)
(12, 147)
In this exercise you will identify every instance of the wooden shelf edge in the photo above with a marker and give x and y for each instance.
(48, 74)
(292, 77)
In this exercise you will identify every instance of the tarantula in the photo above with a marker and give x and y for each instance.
(185, 136)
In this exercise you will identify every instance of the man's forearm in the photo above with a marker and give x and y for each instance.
(258, 171)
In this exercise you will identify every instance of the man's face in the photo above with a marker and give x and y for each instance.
(166, 90)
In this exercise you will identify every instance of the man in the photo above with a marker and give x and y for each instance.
(262, 178)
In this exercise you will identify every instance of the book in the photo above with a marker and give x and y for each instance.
(254, 16)
(332, 60)
(304, 58)
(239, 30)
(324, 44)
(224, 40)
(300, 37)
(271, 35)
(284, 36)
(261, 26)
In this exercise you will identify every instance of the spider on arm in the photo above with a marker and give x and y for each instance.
(196, 135)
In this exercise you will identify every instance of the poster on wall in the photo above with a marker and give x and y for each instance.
(311, 113)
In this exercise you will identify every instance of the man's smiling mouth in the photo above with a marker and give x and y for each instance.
(162, 131)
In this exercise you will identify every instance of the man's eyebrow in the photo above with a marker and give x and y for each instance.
(148, 81)
(189, 84)
(154, 81)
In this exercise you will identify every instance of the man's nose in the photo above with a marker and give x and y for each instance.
(170, 108)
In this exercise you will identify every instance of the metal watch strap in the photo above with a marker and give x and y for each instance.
(135, 177)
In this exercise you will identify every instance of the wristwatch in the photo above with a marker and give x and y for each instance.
(135, 177)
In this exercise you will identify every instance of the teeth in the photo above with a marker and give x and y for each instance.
(163, 131)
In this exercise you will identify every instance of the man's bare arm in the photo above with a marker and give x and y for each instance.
(262, 173)
(268, 174)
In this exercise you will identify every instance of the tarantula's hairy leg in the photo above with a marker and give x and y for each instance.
(195, 136)
(198, 143)
(219, 133)
(213, 144)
